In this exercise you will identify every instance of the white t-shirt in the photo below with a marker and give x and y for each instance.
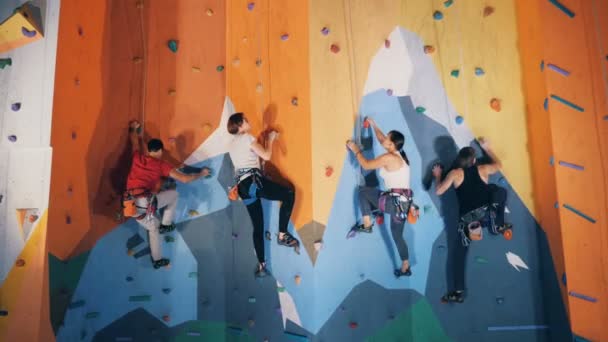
(241, 153)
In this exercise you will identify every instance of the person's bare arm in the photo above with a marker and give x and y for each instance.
(368, 164)
(175, 174)
(135, 136)
(377, 131)
(442, 186)
(496, 165)
(265, 153)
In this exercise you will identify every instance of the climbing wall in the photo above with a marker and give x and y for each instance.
(27, 70)
(566, 81)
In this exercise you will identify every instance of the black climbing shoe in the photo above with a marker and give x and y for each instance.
(261, 271)
(398, 273)
(500, 229)
(287, 240)
(360, 228)
(166, 228)
(453, 297)
(161, 263)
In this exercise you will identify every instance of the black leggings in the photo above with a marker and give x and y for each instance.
(498, 198)
(368, 201)
(270, 191)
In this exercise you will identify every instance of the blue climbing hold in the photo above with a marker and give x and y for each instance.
(500, 300)
(166, 290)
(459, 119)
(172, 44)
(479, 71)
(28, 33)
(542, 65)
(16, 106)
(552, 161)
(546, 104)
(556, 205)
(129, 279)
(437, 15)
(251, 6)
(564, 280)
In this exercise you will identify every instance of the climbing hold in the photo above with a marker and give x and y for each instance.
(193, 275)
(3, 313)
(68, 219)
(220, 68)
(268, 236)
(90, 315)
(389, 92)
(196, 69)
(193, 333)
(294, 101)
(236, 62)
(12, 138)
(166, 290)
(441, 247)
(281, 289)
(169, 238)
(251, 299)
(495, 104)
(137, 60)
(193, 212)
(28, 33)
(20, 263)
(556, 205)
(235, 236)
(166, 318)
(564, 280)
(500, 300)
(141, 298)
(209, 12)
(365, 123)
(481, 260)
(562, 8)
(298, 280)
(353, 325)
(455, 73)
(343, 308)
(428, 49)
(546, 104)
(244, 39)
(362, 275)
(334, 48)
(258, 62)
(318, 245)
(130, 252)
(80, 31)
(325, 31)
(487, 11)
(448, 3)
(33, 218)
(251, 6)
(171, 92)
(173, 45)
(285, 37)
(251, 323)
(459, 119)
(542, 65)
(207, 128)
(259, 88)
(139, 4)
(380, 219)
(4, 62)
(479, 71)
(420, 109)
(437, 15)
(129, 278)
(172, 140)
(329, 171)
(387, 43)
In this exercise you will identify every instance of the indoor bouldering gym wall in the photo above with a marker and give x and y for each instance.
(530, 76)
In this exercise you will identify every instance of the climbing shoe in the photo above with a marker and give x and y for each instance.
(261, 271)
(398, 273)
(361, 228)
(500, 229)
(166, 228)
(161, 263)
(453, 297)
(287, 240)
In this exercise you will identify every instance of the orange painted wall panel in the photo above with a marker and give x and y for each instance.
(89, 136)
(282, 75)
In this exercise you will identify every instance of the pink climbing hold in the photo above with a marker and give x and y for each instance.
(285, 37)
(329, 171)
(387, 43)
(251, 6)
(325, 31)
(16, 106)
(28, 33)
(389, 92)
(12, 138)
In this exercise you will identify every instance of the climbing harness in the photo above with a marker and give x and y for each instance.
(130, 207)
(403, 200)
(471, 224)
(256, 184)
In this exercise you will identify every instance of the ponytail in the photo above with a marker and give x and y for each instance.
(404, 156)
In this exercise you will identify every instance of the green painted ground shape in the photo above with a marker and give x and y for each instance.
(212, 331)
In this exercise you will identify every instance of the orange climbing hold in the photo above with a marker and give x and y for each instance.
(209, 12)
(20, 263)
(130, 252)
(487, 11)
(334, 48)
(233, 193)
(329, 171)
(429, 49)
(33, 218)
(298, 280)
(495, 104)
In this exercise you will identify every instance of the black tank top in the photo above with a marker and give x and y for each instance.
(473, 192)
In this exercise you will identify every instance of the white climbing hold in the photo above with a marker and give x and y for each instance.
(516, 261)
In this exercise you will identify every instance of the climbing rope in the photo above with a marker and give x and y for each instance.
(145, 57)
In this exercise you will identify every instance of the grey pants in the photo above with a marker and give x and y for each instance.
(368, 202)
(166, 199)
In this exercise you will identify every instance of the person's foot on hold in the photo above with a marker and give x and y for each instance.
(164, 262)
(287, 240)
(166, 228)
(362, 228)
(260, 270)
(399, 272)
(453, 297)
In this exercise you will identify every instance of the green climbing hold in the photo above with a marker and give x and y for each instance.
(4, 62)
(90, 315)
(193, 275)
(427, 208)
(281, 289)
(448, 3)
(142, 298)
(420, 109)
(220, 68)
(481, 260)
(455, 73)
(172, 45)
(169, 238)
(251, 299)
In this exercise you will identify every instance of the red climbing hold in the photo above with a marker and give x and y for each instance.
(353, 325)
(487, 11)
(387, 43)
(429, 49)
(334, 48)
(380, 219)
(20, 263)
(33, 218)
(166, 318)
(365, 123)
(329, 171)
